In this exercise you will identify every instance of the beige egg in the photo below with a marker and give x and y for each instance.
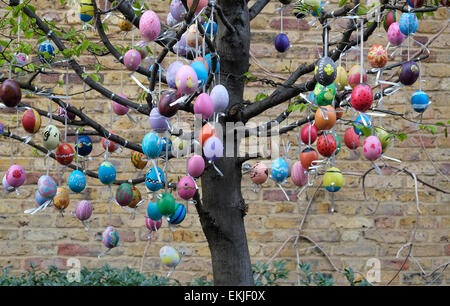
(191, 36)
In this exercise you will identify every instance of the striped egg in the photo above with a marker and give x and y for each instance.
(298, 174)
(186, 188)
(31, 121)
(86, 10)
(333, 179)
(110, 237)
(178, 215)
(420, 101)
(47, 186)
(83, 210)
(151, 225)
(137, 159)
(124, 194)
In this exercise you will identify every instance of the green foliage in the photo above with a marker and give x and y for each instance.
(351, 278)
(308, 278)
(260, 96)
(270, 275)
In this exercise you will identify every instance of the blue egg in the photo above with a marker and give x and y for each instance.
(209, 62)
(201, 71)
(151, 179)
(83, 145)
(77, 181)
(178, 215)
(282, 42)
(408, 23)
(163, 142)
(39, 198)
(359, 121)
(420, 101)
(151, 145)
(46, 46)
(210, 26)
(280, 170)
(107, 173)
(153, 212)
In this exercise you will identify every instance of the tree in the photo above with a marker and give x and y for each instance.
(220, 204)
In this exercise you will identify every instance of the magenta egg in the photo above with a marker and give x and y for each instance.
(186, 188)
(204, 106)
(220, 98)
(151, 225)
(196, 166)
(259, 173)
(186, 80)
(132, 59)
(171, 73)
(298, 174)
(120, 109)
(15, 176)
(372, 148)
(149, 25)
(83, 210)
(158, 122)
(395, 36)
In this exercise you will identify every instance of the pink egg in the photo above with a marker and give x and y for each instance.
(149, 25)
(47, 186)
(120, 109)
(204, 106)
(186, 80)
(83, 210)
(395, 36)
(151, 225)
(372, 148)
(6, 186)
(196, 166)
(259, 173)
(298, 175)
(132, 59)
(16, 176)
(186, 188)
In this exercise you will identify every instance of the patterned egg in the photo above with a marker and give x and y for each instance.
(213, 148)
(389, 19)
(61, 199)
(62, 112)
(280, 170)
(308, 134)
(118, 108)
(372, 148)
(6, 186)
(47, 186)
(137, 197)
(384, 138)
(298, 175)
(151, 145)
(177, 10)
(395, 36)
(420, 101)
(193, 38)
(259, 173)
(64, 153)
(86, 10)
(186, 188)
(83, 145)
(181, 47)
(151, 179)
(83, 210)
(324, 95)
(325, 71)
(171, 73)
(201, 71)
(362, 97)
(15, 176)
(341, 78)
(110, 237)
(208, 59)
(39, 199)
(338, 143)
(363, 120)
(136, 159)
(124, 194)
(46, 52)
(408, 23)
(107, 173)
(307, 157)
(166, 99)
(124, 25)
(170, 21)
(354, 76)
(186, 80)
(153, 212)
(178, 215)
(282, 43)
(210, 28)
(220, 98)
(166, 204)
(333, 179)
(158, 122)
(51, 136)
(203, 106)
(22, 59)
(77, 181)
(351, 139)
(326, 145)
(196, 166)
(10, 93)
(409, 73)
(325, 123)
(416, 3)
(168, 255)
(110, 145)
(205, 133)
(378, 56)
(149, 25)
(151, 225)
(132, 59)
(31, 121)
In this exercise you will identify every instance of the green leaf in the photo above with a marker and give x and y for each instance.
(342, 3)
(402, 136)
(260, 97)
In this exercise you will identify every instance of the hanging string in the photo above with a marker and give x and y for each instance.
(67, 103)
(281, 18)
(362, 52)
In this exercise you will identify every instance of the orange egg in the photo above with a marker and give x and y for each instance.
(206, 132)
(307, 157)
(322, 123)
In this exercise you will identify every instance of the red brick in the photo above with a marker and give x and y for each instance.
(447, 249)
(70, 249)
(278, 195)
(127, 236)
(290, 24)
(50, 78)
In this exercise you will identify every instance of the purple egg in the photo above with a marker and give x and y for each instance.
(158, 122)
(120, 109)
(220, 98)
(62, 113)
(171, 73)
(282, 42)
(83, 210)
(213, 148)
(170, 20)
(15, 176)
(181, 46)
(132, 59)
(177, 10)
(409, 73)
(204, 106)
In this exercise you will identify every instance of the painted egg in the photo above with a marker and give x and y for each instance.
(86, 10)
(151, 145)
(200, 6)
(83, 210)
(362, 97)
(51, 137)
(351, 139)
(395, 36)
(64, 153)
(408, 23)
(31, 121)
(338, 144)
(378, 56)
(177, 10)
(363, 120)
(171, 73)
(416, 3)
(280, 170)
(282, 43)
(325, 71)
(186, 80)
(124, 194)
(61, 199)
(46, 52)
(6, 186)
(307, 157)
(125, 25)
(83, 145)
(178, 215)
(180, 147)
(166, 204)
(333, 179)
(308, 134)
(324, 95)
(322, 122)
(151, 179)
(420, 101)
(158, 122)
(354, 76)
(149, 25)
(170, 21)
(208, 59)
(196, 166)
(372, 148)
(151, 225)
(181, 47)
(109, 145)
(298, 175)
(205, 133)
(213, 148)
(384, 138)
(203, 106)
(141, 47)
(409, 73)
(107, 173)
(168, 255)
(10, 93)
(163, 146)
(201, 71)
(341, 78)
(137, 159)
(186, 188)
(15, 176)
(326, 145)
(389, 19)
(259, 173)
(153, 212)
(193, 38)
(77, 181)
(39, 199)
(47, 186)
(137, 197)
(62, 112)
(22, 59)
(110, 237)
(210, 28)
(164, 107)
(132, 59)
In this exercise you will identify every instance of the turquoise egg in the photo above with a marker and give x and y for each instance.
(77, 181)
(153, 212)
(359, 121)
(151, 145)
(107, 173)
(201, 71)
(420, 101)
(151, 179)
(178, 215)
(280, 170)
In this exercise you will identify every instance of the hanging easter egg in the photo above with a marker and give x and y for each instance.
(206, 132)
(50, 137)
(153, 212)
(163, 146)
(326, 145)
(110, 238)
(167, 98)
(351, 139)
(46, 52)
(416, 3)
(341, 78)
(210, 27)
(76, 181)
(151, 225)
(362, 97)
(47, 186)
(298, 175)
(333, 179)
(178, 215)
(420, 101)
(220, 98)
(151, 179)
(280, 170)
(124, 25)
(6, 186)
(61, 199)
(325, 122)
(107, 173)
(86, 10)
(201, 71)
(338, 143)
(196, 166)
(158, 122)
(64, 153)
(62, 112)
(166, 204)
(137, 197)
(308, 134)
(213, 148)
(10, 93)
(300, 9)
(109, 145)
(137, 159)
(171, 73)
(363, 120)
(83, 145)
(149, 25)
(259, 173)
(384, 138)
(200, 6)
(377, 56)
(124, 194)
(209, 59)
(324, 95)
(151, 145)
(389, 19)
(408, 23)
(39, 199)
(31, 121)
(354, 76)
(186, 188)
(395, 36)
(282, 43)
(22, 59)
(325, 71)
(203, 106)
(181, 47)
(177, 10)
(193, 37)
(132, 59)
(170, 21)
(168, 255)
(409, 73)
(83, 210)
(15, 176)
(372, 148)
(186, 80)
(307, 157)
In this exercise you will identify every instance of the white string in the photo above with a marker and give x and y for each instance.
(362, 52)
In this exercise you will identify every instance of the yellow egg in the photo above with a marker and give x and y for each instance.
(333, 179)
(61, 199)
(341, 78)
(124, 25)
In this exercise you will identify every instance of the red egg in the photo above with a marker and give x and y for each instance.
(64, 153)
(307, 157)
(362, 97)
(206, 132)
(354, 76)
(31, 121)
(326, 145)
(10, 93)
(351, 139)
(111, 145)
(164, 107)
(309, 132)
